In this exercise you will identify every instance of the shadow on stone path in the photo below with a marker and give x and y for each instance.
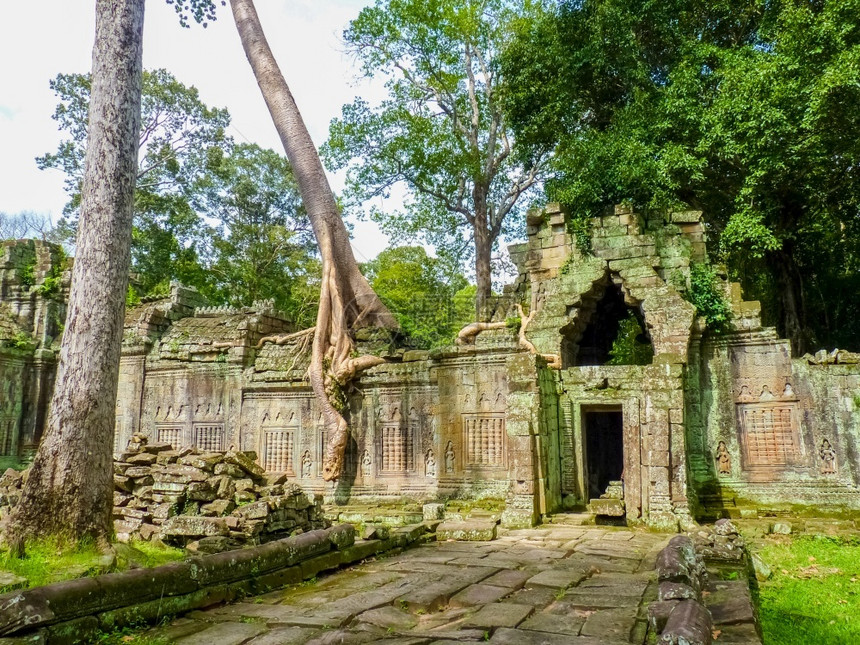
(547, 585)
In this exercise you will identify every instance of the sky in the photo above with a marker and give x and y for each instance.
(42, 38)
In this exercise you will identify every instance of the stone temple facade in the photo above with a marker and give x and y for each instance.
(711, 425)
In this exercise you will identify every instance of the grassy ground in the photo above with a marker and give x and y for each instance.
(48, 562)
(814, 593)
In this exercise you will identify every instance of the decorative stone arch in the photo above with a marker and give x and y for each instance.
(598, 302)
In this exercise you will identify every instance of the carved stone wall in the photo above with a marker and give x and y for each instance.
(713, 423)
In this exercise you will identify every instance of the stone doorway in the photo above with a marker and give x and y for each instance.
(603, 430)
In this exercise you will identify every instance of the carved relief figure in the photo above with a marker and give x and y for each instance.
(430, 464)
(828, 458)
(449, 457)
(724, 459)
(306, 464)
(366, 463)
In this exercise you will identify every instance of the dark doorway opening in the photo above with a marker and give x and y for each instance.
(615, 333)
(604, 449)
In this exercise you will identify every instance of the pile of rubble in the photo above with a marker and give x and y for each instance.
(721, 541)
(209, 501)
(204, 501)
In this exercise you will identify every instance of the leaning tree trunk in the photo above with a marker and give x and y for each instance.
(347, 301)
(69, 492)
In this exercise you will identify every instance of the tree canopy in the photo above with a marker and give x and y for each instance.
(223, 217)
(431, 302)
(439, 132)
(742, 109)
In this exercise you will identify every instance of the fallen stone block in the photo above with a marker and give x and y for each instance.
(245, 463)
(177, 473)
(676, 591)
(659, 612)
(375, 532)
(254, 511)
(688, 624)
(193, 526)
(341, 536)
(142, 459)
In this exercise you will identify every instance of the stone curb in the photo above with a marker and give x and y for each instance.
(679, 616)
(74, 611)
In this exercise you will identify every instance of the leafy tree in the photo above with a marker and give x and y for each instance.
(221, 217)
(440, 132)
(431, 302)
(742, 109)
(263, 246)
(179, 138)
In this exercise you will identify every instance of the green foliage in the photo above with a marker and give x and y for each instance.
(27, 272)
(178, 136)
(439, 132)
(627, 348)
(132, 298)
(23, 341)
(201, 11)
(263, 246)
(813, 594)
(53, 282)
(709, 301)
(211, 214)
(431, 301)
(739, 108)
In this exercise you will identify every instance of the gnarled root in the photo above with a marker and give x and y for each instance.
(468, 333)
(333, 366)
(284, 338)
(553, 360)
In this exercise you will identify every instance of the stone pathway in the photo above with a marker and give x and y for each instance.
(554, 584)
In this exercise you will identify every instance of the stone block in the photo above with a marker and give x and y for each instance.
(231, 470)
(610, 507)
(433, 512)
(313, 566)
(245, 463)
(341, 536)
(676, 591)
(361, 550)
(500, 614)
(658, 614)
(558, 578)
(193, 526)
(177, 473)
(478, 594)
(688, 624)
(474, 530)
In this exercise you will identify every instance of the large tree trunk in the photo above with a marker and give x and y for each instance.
(347, 301)
(69, 492)
(792, 309)
(483, 256)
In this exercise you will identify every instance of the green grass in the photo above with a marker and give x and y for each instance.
(814, 593)
(156, 554)
(52, 561)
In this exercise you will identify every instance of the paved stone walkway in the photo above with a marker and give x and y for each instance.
(555, 584)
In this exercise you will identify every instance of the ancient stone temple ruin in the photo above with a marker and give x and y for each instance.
(698, 423)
